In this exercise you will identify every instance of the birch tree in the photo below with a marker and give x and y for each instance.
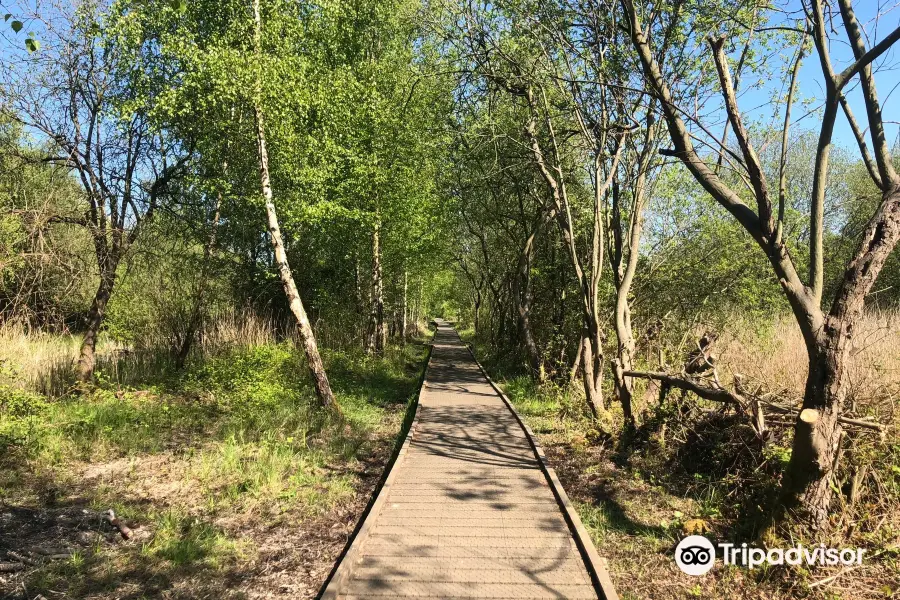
(304, 328)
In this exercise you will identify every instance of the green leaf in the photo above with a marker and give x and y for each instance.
(7, 16)
(179, 5)
(16, 26)
(32, 45)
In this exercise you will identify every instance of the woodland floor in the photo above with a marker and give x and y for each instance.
(235, 487)
(232, 557)
(637, 505)
(216, 510)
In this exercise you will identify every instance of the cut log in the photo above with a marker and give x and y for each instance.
(113, 520)
(809, 415)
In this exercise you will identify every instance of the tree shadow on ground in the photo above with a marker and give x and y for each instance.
(711, 456)
(617, 516)
(60, 542)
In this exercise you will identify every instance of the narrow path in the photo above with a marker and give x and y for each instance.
(467, 510)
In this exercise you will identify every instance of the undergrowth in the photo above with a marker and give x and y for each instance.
(238, 437)
(697, 467)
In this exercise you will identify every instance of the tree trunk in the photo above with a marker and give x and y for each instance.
(304, 328)
(623, 276)
(87, 359)
(522, 295)
(197, 311)
(593, 392)
(420, 305)
(624, 386)
(405, 308)
(558, 287)
(377, 332)
(808, 485)
(477, 302)
(497, 315)
(535, 360)
(359, 303)
(808, 481)
(573, 370)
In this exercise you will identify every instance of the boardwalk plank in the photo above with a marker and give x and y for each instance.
(467, 511)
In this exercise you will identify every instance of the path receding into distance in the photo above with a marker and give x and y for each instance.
(468, 510)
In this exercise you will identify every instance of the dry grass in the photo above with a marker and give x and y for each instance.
(776, 358)
(28, 357)
(690, 460)
(43, 362)
(236, 329)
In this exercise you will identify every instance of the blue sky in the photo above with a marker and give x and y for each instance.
(755, 102)
(810, 82)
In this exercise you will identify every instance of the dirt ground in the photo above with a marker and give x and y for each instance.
(61, 546)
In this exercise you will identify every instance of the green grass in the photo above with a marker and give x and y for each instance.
(183, 540)
(248, 417)
(236, 438)
(183, 547)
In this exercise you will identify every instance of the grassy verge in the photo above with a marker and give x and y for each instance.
(692, 469)
(233, 481)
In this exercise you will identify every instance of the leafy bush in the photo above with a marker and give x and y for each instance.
(20, 411)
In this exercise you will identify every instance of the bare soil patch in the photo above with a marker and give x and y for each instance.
(56, 543)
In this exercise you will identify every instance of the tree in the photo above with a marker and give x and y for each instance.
(583, 130)
(304, 328)
(827, 332)
(513, 62)
(78, 94)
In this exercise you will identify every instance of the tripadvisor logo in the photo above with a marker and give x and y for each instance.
(695, 555)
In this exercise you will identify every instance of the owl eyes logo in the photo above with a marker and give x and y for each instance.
(695, 555)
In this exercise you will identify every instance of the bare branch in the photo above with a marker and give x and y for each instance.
(782, 166)
(864, 69)
(754, 168)
(864, 60)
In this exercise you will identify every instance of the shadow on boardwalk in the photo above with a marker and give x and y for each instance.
(467, 511)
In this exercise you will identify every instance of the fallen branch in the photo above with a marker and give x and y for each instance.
(718, 393)
(113, 520)
(51, 551)
(715, 394)
(19, 557)
(60, 556)
(11, 567)
(788, 410)
(830, 579)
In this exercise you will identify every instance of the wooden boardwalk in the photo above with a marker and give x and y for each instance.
(469, 510)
